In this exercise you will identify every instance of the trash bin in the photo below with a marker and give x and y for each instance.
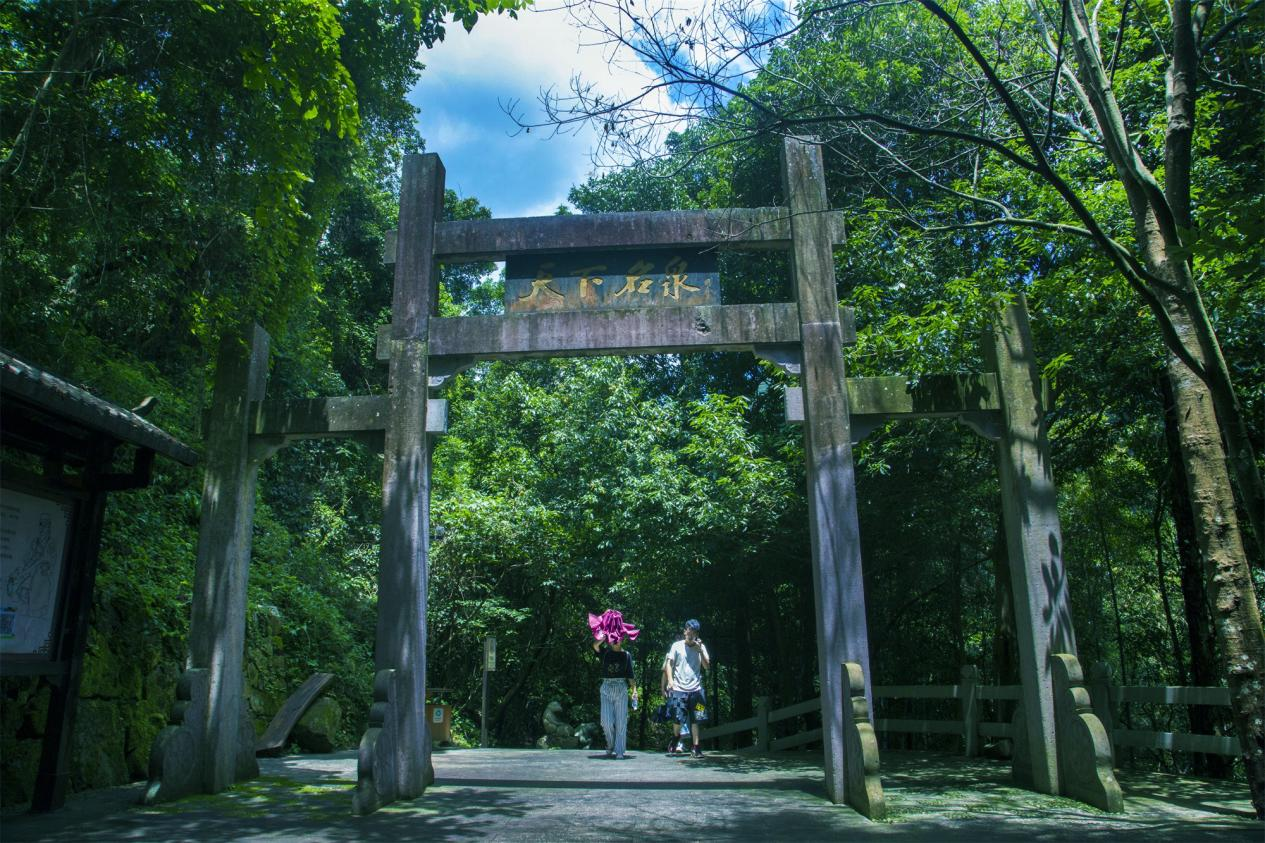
(439, 716)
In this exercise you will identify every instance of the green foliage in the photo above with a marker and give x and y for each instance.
(191, 165)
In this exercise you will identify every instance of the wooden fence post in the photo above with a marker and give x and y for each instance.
(762, 736)
(1102, 697)
(970, 709)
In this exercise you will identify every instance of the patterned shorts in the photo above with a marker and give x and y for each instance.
(686, 707)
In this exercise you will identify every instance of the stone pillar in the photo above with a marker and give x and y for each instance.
(832, 513)
(395, 750)
(217, 629)
(1034, 544)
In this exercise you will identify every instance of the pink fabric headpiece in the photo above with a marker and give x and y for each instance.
(610, 627)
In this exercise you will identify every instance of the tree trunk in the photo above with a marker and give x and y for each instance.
(1005, 635)
(1204, 720)
(1161, 576)
(1201, 398)
(1235, 615)
(1180, 90)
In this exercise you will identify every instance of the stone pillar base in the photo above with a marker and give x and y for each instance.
(177, 759)
(864, 788)
(1085, 770)
(1084, 748)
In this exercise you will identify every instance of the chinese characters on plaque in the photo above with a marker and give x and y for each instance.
(605, 280)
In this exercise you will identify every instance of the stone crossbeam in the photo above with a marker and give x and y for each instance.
(465, 241)
(312, 418)
(734, 327)
(930, 396)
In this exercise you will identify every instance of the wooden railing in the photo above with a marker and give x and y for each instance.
(1106, 700)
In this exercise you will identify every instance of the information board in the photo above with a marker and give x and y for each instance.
(33, 533)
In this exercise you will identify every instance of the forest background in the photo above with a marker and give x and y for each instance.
(171, 169)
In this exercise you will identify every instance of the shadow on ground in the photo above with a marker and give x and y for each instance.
(544, 795)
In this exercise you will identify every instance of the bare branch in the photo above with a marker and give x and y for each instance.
(1226, 28)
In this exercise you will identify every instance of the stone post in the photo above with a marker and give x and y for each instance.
(865, 789)
(832, 512)
(217, 629)
(1034, 543)
(395, 750)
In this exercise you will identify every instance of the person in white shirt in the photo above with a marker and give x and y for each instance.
(682, 684)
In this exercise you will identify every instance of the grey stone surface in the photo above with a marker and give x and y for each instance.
(292, 712)
(1034, 543)
(1084, 749)
(401, 740)
(478, 240)
(731, 327)
(832, 515)
(559, 795)
(317, 730)
(217, 629)
(176, 758)
(559, 734)
(590, 735)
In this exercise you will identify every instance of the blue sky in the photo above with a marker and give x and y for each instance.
(502, 60)
(469, 77)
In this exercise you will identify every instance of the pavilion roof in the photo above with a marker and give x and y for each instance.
(65, 403)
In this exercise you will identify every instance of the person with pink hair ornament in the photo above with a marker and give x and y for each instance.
(616, 664)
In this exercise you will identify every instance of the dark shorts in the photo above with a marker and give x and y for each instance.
(686, 707)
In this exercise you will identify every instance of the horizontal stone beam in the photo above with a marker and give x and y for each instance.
(734, 327)
(312, 418)
(464, 241)
(873, 400)
(929, 395)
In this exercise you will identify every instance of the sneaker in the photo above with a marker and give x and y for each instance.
(698, 751)
(674, 748)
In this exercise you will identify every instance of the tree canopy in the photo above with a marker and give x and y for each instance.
(172, 170)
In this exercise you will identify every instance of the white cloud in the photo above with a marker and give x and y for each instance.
(471, 77)
(446, 131)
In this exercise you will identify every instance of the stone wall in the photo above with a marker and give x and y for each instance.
(128, 686)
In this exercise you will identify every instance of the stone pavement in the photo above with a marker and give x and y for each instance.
(509, 794)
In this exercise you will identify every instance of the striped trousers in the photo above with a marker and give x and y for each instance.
(614, 694)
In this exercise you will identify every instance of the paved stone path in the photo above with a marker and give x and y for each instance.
(505, 794)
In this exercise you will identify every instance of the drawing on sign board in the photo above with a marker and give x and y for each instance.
(32, 535)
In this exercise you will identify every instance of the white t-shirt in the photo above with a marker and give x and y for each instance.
(686, 664)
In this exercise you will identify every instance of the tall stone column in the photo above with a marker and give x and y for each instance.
(395, 751)
(1064, 747)
(1034, 543)
(832, 511)
(217, 629)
